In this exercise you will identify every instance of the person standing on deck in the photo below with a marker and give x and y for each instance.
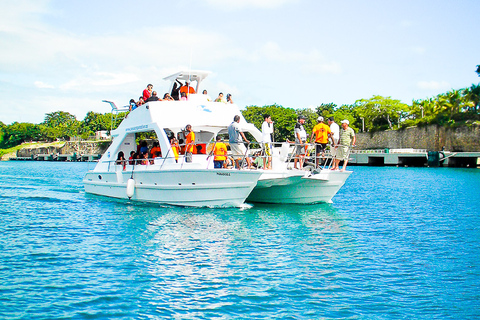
(235, 140)
(220, 153)
(321, 132)
(335, 136)
(267, 131)
(300, 140)
(190, 143)
(187, 89)
(347, 139)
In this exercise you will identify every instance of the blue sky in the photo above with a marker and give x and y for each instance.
(69, 55)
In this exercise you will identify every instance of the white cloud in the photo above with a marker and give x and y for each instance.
(309, 63)
(433, 85)
(42, 85)
(418, 50)
(237, 4)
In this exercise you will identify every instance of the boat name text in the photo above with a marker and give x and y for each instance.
(137, 128)
(223, 174)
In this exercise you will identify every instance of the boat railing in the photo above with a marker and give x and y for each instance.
(328, 157)
(285, 151)
(115, 112)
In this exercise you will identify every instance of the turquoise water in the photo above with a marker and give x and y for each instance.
(396, 243)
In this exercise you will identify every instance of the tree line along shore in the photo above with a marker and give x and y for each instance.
(453, 109)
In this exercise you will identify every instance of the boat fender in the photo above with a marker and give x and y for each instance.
(130, 187)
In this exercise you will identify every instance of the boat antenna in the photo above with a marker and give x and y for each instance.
(190, 66)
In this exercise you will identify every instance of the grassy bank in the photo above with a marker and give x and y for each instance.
(11, 152)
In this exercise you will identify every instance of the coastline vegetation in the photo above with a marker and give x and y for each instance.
(453, 108)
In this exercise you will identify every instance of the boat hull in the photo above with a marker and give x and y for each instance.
(298, 187)
(192, 188)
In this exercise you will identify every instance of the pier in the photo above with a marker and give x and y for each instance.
(59, 157)
(413, 158)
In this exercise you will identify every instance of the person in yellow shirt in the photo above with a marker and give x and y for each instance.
(174, 145)
(321, 132)
(220, 153)
(190, 143)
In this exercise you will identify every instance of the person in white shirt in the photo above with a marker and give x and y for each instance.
(335, 128)
(267, 131)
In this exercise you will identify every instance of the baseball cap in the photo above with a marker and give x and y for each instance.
(301, 117)
(320, 118)
(345, 121)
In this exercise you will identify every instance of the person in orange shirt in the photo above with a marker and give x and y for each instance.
(156, 151)
(190, 143)
(186, 88)
(321, 132)
(220, 152)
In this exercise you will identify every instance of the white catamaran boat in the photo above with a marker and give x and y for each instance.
(177, 182)
(169, 180)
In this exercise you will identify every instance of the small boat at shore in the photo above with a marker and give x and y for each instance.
(170, 179)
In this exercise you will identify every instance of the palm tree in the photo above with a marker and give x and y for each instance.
(450, 102)
(472, 95)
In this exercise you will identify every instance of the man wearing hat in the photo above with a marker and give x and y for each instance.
(186, 88)
(347, 139)
(300, 140)
(321, 132)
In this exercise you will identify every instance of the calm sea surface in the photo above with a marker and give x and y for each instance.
(397, 243)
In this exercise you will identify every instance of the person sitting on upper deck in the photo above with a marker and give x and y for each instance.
(132, 105)
(167, 97)
(206, 95)
(229, 98)
(184, 96)
(220, 98)
(154, 97)
(147, 93)
(187, 89)
(176, 90)
(140, 101)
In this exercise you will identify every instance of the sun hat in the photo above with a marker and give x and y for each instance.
(345, 121)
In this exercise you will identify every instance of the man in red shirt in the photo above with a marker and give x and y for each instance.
(147, 93)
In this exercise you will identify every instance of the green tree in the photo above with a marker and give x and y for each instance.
(381, 112)
(96, 122)
(478, 70)
(472, 95)
(17, 133)
(64, 124)
(326, 109)
(284, 119)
